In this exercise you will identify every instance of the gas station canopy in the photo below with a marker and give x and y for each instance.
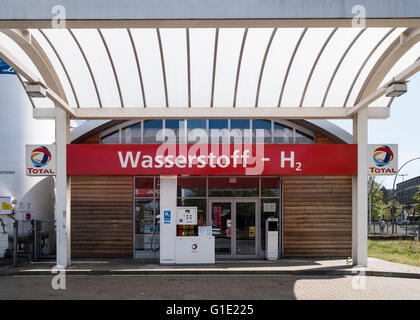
(218, 63)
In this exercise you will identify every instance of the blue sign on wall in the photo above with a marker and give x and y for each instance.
(5, 68)
(167, 217)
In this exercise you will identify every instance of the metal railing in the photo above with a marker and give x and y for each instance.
(411, 228)
(32, 239)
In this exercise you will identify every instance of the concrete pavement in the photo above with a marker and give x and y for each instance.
(376, 267)
(227, 279)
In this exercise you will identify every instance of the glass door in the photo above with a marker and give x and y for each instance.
(146, 207)
(221, 216)
(145, 224)
(234, 224)
(245, 230)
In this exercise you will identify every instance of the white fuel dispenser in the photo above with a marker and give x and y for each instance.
(272, 238)
(192, 245)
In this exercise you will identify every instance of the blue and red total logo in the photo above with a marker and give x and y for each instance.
(40, 157)
(383, 156)
(194, 246)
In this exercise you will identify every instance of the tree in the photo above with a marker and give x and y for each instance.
(377, 203)
(417, 200)
(387, 210)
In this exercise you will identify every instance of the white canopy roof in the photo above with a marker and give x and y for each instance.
(209, 71)
(256, 67)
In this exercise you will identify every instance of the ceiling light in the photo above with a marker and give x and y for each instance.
(36, 90)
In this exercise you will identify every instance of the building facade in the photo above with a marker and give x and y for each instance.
(263, 60)
(406, 191)
(114, 215)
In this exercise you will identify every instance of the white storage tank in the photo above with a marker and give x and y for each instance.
(34, 195)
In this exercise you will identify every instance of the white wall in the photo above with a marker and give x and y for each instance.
(17, 128)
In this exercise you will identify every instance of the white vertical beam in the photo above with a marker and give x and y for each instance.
(360, 189)
(168, 185)
(62, 133)
(354, 203)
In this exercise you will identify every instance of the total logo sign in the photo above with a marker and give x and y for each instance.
(40, 160)
(382, 159)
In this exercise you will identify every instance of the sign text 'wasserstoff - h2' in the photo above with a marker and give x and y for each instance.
(269, 159)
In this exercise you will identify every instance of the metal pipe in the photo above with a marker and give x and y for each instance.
(15, 242)
(393, 190)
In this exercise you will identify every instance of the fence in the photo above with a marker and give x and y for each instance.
(33, 239)
(399, 228)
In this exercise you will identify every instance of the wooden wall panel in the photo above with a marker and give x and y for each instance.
(102, 216)
(321, 139)
(91, 140)
(317, 216)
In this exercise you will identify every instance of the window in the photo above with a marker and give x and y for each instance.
(302, 137)
(111, 138)
(144, 187)
(145, 232)
(175, 131)
(219, 131)
(282, 133)
(270, 187)
(146, 209)
(265, 127)
(152, 131)
(131, 134)
(197, 131)
(240, 131)
(233, 187)
(218, 124)
(191, 187)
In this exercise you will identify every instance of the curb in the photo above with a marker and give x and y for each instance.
(211, 272)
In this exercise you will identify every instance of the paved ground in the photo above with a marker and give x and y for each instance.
(209, 287)
(247, 279)
(376, 267)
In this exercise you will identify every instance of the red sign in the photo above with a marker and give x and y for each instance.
(182, 159)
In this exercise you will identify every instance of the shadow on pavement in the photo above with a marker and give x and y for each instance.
(135, 284)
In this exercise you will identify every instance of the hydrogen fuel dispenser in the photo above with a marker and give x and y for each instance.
(192, 243)
(272, 238)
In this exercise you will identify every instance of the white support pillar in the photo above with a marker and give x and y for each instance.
(62, 196)
(354, 203)
(360, 190)
(168, 185)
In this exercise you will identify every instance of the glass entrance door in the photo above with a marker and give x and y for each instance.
(221, 214)
(245, 228)
(234, 227)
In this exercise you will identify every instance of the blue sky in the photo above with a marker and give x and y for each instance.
(402, 128)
